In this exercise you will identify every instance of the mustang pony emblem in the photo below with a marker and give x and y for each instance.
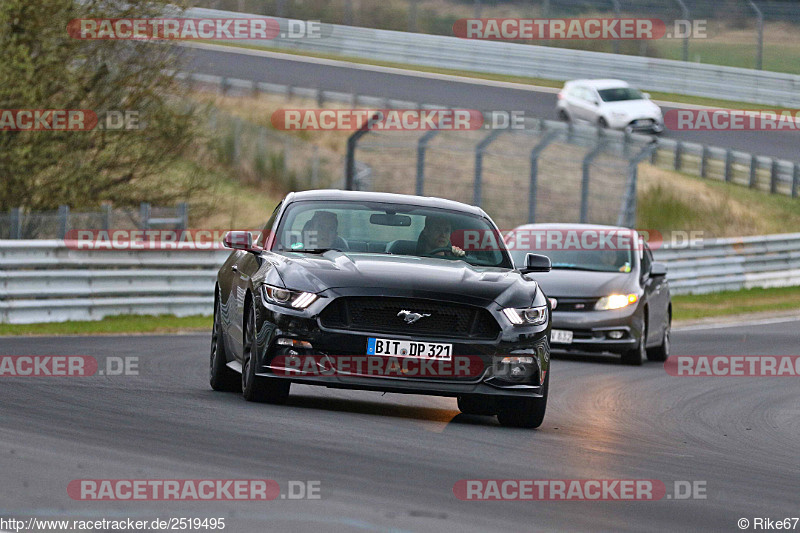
(410, 317)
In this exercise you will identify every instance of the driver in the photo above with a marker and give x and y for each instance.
(322, 231)
(435, 236)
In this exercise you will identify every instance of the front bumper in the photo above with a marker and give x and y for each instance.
(591, 329)
(489, 379)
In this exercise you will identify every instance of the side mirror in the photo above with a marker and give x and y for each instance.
(646, 96)
(536, 263)
(658, 270)
(239, 240)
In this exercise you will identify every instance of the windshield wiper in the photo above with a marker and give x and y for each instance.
(570, 266)
(315, 250)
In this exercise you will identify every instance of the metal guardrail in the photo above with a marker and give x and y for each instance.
(44, 281)
(665, 75)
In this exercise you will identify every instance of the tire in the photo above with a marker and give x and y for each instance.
(563, 115)
(636, 356)
(220, 376)
(524, 412)
(661, 352)
(256, 388)
(474, 404)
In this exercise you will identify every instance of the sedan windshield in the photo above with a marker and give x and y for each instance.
(387, 228)
(619, 94)
(591, 260)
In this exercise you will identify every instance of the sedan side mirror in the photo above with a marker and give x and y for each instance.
(658, 270)
(536, 263)
(646, 96)
(239, 240)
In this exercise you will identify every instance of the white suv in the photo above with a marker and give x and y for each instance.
(609, 104)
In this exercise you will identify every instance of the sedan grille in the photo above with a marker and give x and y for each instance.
(575, 304)
(380, 315)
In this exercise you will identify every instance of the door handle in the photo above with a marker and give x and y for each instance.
(235, 268)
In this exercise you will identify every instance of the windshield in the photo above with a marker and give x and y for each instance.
(592, 260)
(385, 228)
(620, 94)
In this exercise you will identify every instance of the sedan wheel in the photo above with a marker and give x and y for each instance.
(661, 352)
(636, 356)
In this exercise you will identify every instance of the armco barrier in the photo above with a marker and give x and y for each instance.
(665, 75)
(44, 281)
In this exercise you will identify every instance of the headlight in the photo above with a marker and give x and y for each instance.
(615, 301)
(287, 298)
(534, 316)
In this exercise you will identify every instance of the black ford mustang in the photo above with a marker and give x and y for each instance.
(366, 291)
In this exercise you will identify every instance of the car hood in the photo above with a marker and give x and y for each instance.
(634, 107)
(584, 284)
(402, 274)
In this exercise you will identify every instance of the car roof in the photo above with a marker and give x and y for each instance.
(600, 84)
(364, 196)
(568, 226)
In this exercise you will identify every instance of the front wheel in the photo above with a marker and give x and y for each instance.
(221, 377)
(256, 388)
(636, 356)
(524, 412)
(661, 352)
(477, 405)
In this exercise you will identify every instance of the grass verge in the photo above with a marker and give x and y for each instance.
(726, 303)
(113, 324)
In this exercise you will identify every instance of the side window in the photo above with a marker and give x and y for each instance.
(265, 233)
(647, 261)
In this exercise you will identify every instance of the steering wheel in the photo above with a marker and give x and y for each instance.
(447, 249)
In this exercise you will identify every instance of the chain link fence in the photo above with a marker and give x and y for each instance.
(20, 223)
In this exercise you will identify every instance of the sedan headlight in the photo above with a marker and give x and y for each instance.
(615, 301)
(534, 316)
(287, 298)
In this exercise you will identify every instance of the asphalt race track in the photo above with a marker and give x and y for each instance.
(390, 462)
(362, 79)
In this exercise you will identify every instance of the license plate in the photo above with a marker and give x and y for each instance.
(560, 336)
(420, 350)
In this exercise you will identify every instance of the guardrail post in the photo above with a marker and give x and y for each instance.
(16, 223)
(183, 214)
(535, 153)
(704, 162)
(728, 165)
(615, 5)
(587, 161)
(795, 179)
(350, 160)
(753, 168)
(686, 16)
(479, 149)
(773, 177)
(63, 221)
(422, 145)
(678, 156)
(627, 212)
(144, 215)
(107, 217)
(760, 33)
